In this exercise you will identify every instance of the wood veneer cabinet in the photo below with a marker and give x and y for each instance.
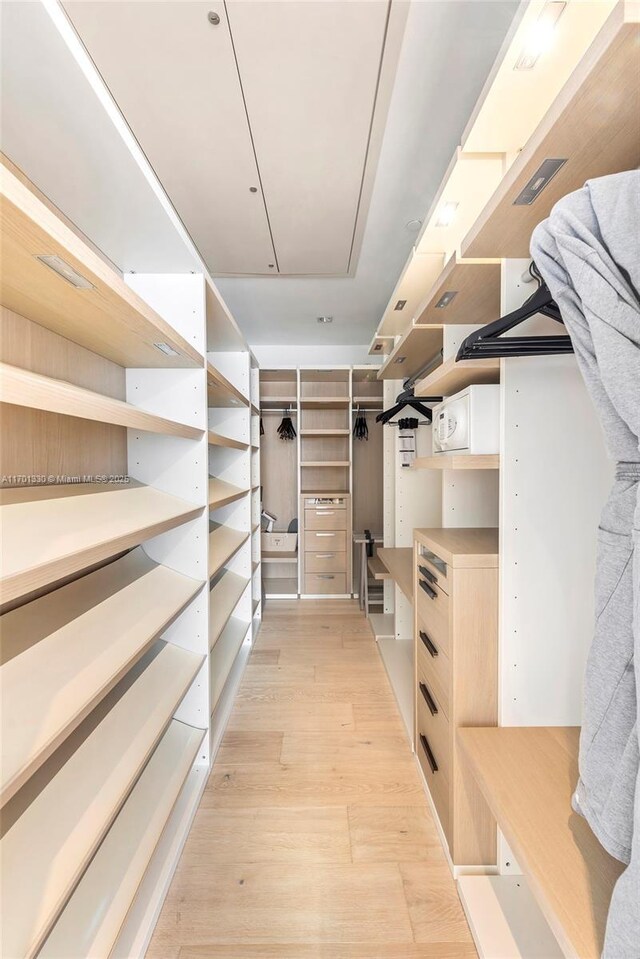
(456, 676)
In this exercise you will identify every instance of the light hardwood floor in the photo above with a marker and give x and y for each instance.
(313, 839)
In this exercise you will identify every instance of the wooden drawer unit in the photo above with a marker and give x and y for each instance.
(325, 519)
(456, 626)
(325, 541)
(325, 583)
(433, 663)
(329, 562)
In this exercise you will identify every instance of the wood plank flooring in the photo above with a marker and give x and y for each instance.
(313, 839)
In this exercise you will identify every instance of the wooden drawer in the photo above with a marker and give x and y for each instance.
(325, 519)
(321, 502)
(325, 541)
(329, 562)
(434, 663)
(436, 781)
(434, 725)
(325, 583)
(433, 610)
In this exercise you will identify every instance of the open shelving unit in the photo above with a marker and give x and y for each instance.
(129, 416)
(599, 103)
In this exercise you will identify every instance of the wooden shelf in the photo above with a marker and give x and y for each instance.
(418, 346)
(324, 492)
(221, 392)
(458, 461)
(223, 544)
(600, 103)
(118, 867)
(462, 546)
(376, 401)
(267, 401)
(223, 599)
(50, 532)
(325, 463)
(451, 377)
(63, 812)
(377, 568)
(325, 432)
(223, 656)
(288, 556)
(216, 439)
(108, 318)
(254, 606)
(382, 625)
(527, 776)
(476, 285)
(399, 562)
(324, 402)
(24, 388)
(222, 493)
(62, 653)
(255, 565)
(281, 586)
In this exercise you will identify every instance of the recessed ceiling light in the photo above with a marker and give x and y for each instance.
(400, 305)
(325, 319)
(377, 347)
(166, 349)
(400, 359)
(67, 272)
(446, 299)
(540, 37)
(413, 226)
(447, 213)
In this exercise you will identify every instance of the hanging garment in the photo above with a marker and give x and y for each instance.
(407, 440)
(589, 254)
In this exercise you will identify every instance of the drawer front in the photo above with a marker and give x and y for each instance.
(436, 781)
(325, 583)
(329, 562)
(322, 502)
(325, 519)
(434, 663)
(433, 610)
(433, 569)
(325, 541)
(434, 725)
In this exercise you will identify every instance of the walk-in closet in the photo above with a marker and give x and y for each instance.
(320, 459)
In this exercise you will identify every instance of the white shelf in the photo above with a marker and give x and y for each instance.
(50, 532)
(223, 599)
(223, 544)
(222, 493)
(382, 625)
(118, 867)
(397, 656)
(75, 802)
(24, 388)
(65, 651)
(221, 392)
(223, 656)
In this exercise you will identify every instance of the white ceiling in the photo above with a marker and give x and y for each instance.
(54, 129)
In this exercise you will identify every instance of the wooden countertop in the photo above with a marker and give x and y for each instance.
(462, 547)
(527, 776)
(399, 562)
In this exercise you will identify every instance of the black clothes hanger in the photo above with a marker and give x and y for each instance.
(407, 398)
(360, 428)
(487, 342)
(286, 430)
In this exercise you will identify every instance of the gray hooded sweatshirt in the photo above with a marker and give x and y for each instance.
(589, 254)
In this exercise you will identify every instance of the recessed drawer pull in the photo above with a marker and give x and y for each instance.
(431, 593)
(431, 759)
(325, 555)
(324, 512)
(428, 574)
(324, 534)
(429, 700)
(325, 575)
(431, 646)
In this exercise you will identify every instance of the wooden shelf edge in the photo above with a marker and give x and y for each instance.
(223, 546)
(22, 387)
(458, 461)
(452, 376)
(217, 381)
(222, 493)
(216, 439)
(459, 547)
(224, 597)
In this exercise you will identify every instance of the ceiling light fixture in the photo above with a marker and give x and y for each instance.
(447, 213)
(400, 305)
(325, 319)
(400, 359)
(540, 37)
(67, 272)
(413, 226)
(166, 349)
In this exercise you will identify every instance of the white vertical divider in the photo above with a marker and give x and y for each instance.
(298, 424)
(351, 586)
(177, 466)
(554, 480)
(390, 391)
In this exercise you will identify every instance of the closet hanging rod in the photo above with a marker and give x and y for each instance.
(279, 409)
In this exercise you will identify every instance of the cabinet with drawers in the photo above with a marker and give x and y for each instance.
(325, 544)
(456, 675)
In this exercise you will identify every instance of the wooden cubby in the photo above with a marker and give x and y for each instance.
(451, 376)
